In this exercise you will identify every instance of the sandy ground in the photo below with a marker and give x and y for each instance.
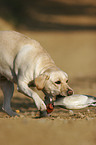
(73, 52)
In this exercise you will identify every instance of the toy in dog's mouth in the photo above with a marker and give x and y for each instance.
(50, 103)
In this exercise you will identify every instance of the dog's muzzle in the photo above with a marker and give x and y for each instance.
(69, 92)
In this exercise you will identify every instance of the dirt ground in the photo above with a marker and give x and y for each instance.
(75, 53)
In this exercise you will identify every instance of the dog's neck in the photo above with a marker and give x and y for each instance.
(44, 63)
(48, 69)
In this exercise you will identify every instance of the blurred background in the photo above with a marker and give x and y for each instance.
(50, 15)
(47, 15)
(66, 29)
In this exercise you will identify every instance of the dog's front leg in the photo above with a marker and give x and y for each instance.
(23, 88)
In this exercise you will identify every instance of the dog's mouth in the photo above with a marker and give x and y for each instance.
(59, 96)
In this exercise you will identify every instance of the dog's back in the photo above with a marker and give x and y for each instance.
(12, 41)
(10, 44)
(15, 49)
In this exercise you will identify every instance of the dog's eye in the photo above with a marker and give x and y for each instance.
(67, 81)
(58, 82)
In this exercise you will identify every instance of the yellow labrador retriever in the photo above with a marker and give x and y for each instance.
(23, 61)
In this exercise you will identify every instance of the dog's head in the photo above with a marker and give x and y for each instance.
(54, 83)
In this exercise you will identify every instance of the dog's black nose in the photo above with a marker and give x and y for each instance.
(69, 92)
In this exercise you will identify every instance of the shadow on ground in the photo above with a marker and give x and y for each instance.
(21, 104)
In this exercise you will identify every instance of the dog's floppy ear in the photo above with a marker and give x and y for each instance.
(40, 81)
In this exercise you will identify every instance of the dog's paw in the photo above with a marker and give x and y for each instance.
(10, 112)
(43, 114)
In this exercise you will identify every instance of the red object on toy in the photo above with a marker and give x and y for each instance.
(49, 108)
